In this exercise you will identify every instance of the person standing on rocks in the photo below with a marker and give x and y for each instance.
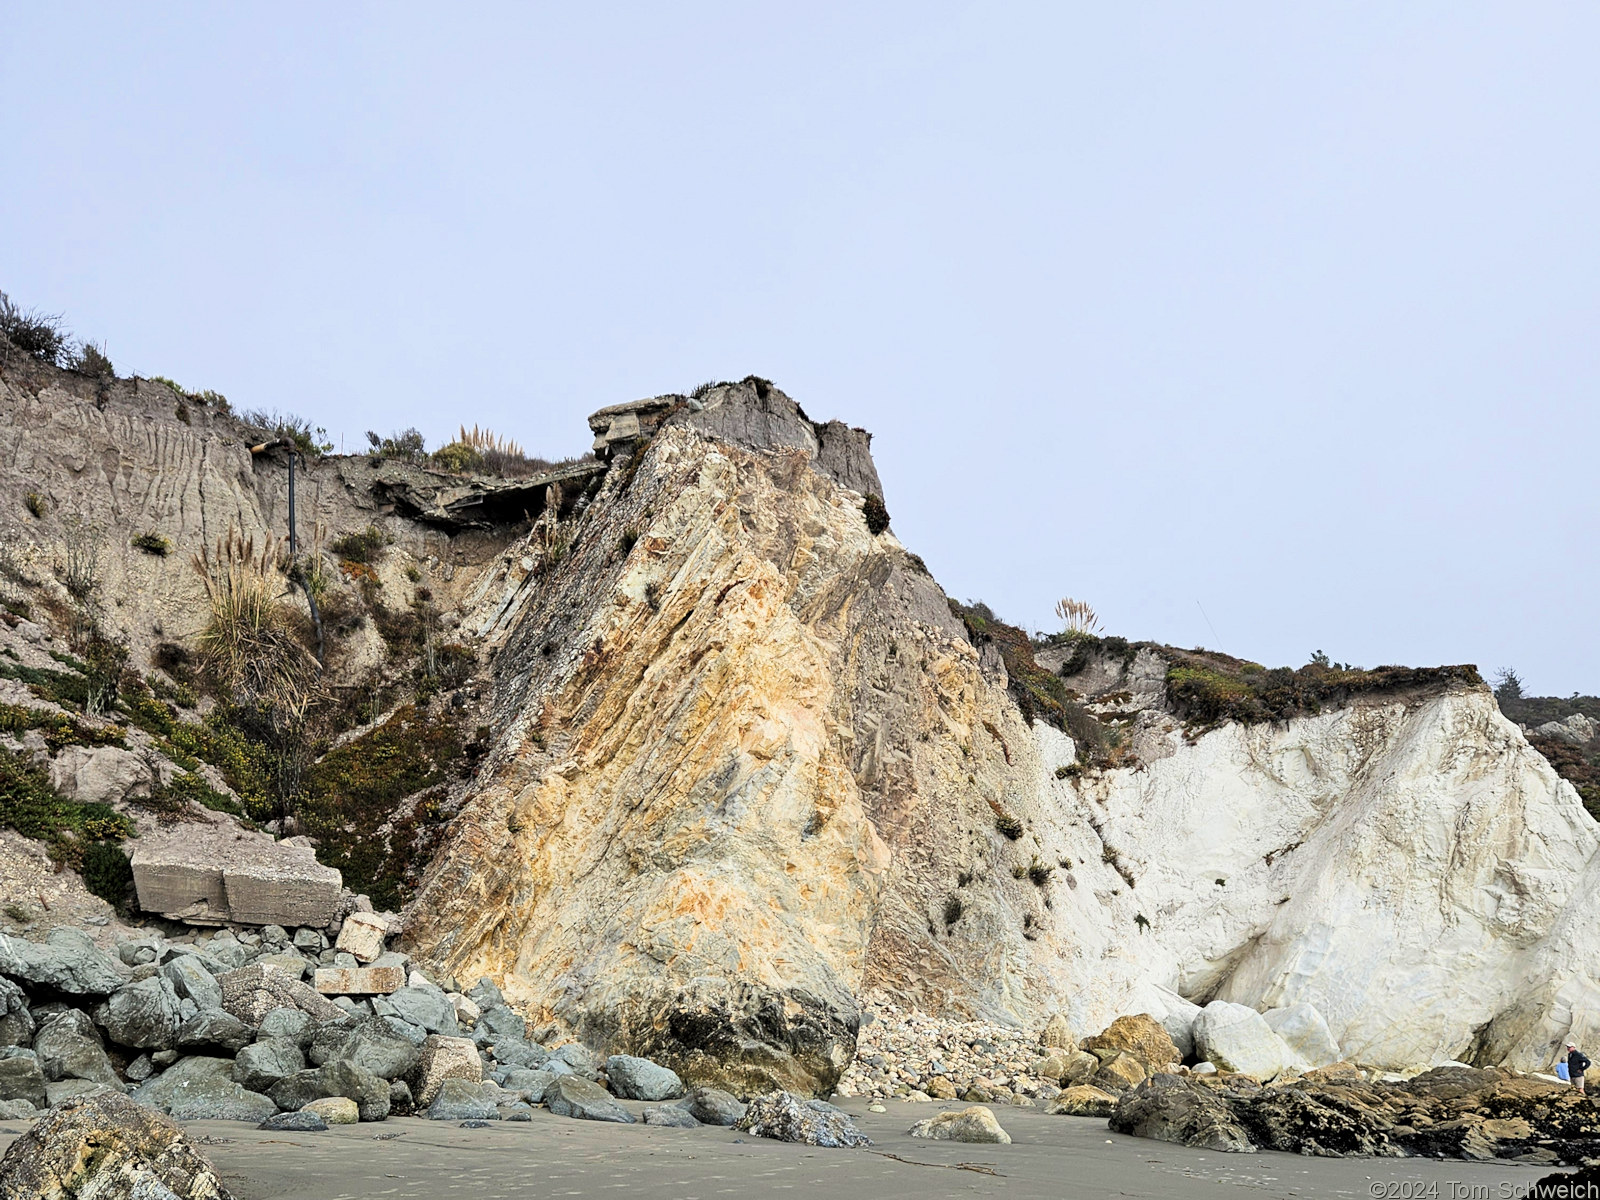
(1577, 1064)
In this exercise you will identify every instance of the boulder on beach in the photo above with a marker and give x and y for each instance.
(787, 1118)
(974, 1124)
(108, 1147)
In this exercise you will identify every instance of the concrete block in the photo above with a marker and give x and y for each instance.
(206, 873)
(362, 935)
(359, 981)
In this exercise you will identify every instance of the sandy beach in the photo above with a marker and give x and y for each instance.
(551, 1156)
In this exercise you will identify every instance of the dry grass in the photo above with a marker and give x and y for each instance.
(247, 647)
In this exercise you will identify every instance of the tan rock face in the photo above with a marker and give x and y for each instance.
(1141, 1036)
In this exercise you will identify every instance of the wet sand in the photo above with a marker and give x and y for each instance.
(554, 1157)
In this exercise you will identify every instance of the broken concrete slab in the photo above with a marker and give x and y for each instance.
(206, 873)
(362, 935)
(359, 981)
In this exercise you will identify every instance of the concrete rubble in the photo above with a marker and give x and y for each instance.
(217, 874)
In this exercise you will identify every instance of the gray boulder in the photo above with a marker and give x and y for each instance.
(18, 1110)
(212, 1028)
(674, 1116)
(368, 1043)
(250, 993)
(530, 1085)
(288, 1023)
(1239, 1039)
(140, 1069)
(975, 1124)
(202, 1088)
(100, 774)
(713, 1106)
(294, 1092)
(137, 953)
(787, 1118)
(427, 1007)
(69, 1048)
(370, 1093)
(217, 1099)
(459, 1100)
(401, 1103)
(1174, 1108)
(640, 1079)
(67, 961)
(63, 1090)
(143, 1015)
(17, 1025)
(522, 1054)
(260, 1066)
(485, 995)
(294, 1122)
(160, 1091)
(579, 1059)
(21, 1077)
(190, 980)
(1306, 1033)
(499, 1024)
(572, 1096)
(414, 1034)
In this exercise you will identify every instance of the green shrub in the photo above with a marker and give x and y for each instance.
(1207, 688)
(152, 543)
(91, 360)
(38, 335)
(877, 516)
(407, 445)
(59, 729)
(310, 440)
(953, 909)
(36, 505)
(31, 807)
(362, 545)
(458, 458)
(107, 873)
(1039, 694)
(1009, 826)
(356, 789)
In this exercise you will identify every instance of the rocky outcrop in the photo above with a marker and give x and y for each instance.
(1448, 1112)
(746, 766)
(110, 1148)
(749, 765)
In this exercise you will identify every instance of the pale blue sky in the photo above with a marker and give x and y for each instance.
(1286, 310)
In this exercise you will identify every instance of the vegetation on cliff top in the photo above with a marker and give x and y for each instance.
(1039, 694)
(1206, 687)
(1578, 764)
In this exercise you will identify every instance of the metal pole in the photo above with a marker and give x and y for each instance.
(294, 541)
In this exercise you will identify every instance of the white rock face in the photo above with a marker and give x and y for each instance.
(1237, 1038)
(1306, 1033)
(1412, 869)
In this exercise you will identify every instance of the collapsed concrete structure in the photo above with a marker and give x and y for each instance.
(216, 873)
